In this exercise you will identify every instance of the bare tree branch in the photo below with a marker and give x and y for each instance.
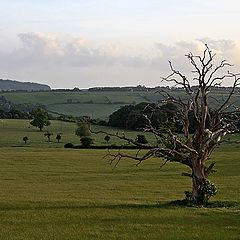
(210, 125)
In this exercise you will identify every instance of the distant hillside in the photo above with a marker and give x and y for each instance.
(10, 85)
(97, 104)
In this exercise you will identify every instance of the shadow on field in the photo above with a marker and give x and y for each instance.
(59, 206)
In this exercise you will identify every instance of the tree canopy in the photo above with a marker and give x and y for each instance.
(134, 117)
(83, 128)
(40, 118)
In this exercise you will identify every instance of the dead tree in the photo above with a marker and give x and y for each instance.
(192, 149)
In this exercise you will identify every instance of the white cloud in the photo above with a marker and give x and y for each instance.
(41, 42)
(52, 59)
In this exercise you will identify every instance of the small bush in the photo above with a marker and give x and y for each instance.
(25, 139)
(86, 141)
(58, 137)
(107, 138)
(69, 145)
(209, 190)
(48, 135)
(141, 139)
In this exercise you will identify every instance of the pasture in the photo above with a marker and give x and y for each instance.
(98, 104)
(48, 192)
(13, 130)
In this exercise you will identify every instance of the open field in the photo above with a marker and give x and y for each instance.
(74, 194)
(96, 104)
(48, 192)
(13, 130)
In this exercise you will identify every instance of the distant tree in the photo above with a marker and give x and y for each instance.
(141, 139)
(58, 137)
(83, 129)
(107, 138)
(40, 118)
(48, 135)
(25, 139)
(86, 141)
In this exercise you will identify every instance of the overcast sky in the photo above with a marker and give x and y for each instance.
(78, 43)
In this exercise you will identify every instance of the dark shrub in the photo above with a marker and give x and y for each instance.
(141, 139)
(86, 141)
(69, 145)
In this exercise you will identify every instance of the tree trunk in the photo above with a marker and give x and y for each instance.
(198, 179)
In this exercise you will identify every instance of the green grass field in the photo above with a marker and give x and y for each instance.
(48, 192)
(13, 130)
(97, 104)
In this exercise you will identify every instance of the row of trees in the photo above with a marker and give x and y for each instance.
(48, 135)
(13, 114)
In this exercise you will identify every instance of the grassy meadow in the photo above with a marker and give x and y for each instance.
(98, 104)
(48, 192)
(12, 132)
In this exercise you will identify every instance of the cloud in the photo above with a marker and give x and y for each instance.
(224, 49)
(79, 52)
(54, 59)
(76, 51)
(46, 44)
(219, 46)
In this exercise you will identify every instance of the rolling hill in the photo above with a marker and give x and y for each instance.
(98, 104)
(10, 85)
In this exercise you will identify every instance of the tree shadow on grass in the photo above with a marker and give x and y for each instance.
(70, 206)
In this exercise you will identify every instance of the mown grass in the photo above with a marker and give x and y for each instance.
(56, 193)
(75, 194)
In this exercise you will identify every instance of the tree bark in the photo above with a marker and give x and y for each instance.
(198, 179)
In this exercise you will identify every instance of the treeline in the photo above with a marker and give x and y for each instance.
(11, 110)
(132, 117)
(14, 114)
(166, 116)
(16, 86)
(157, 88)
